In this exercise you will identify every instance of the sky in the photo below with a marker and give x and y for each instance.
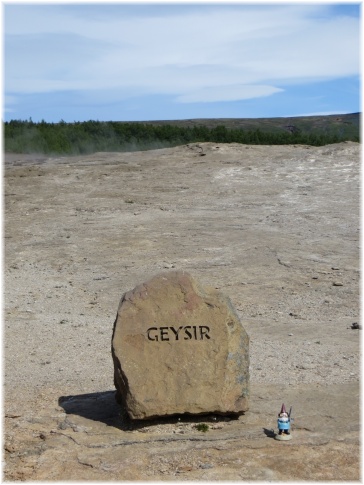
(169, 61)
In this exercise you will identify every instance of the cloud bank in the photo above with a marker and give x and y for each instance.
(196, 55)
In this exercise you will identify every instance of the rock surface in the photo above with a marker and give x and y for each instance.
(272, 226)
(179, 348)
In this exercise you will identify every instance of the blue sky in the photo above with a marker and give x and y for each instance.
(135, 62)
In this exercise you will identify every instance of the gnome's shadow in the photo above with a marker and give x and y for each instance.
(270, 433)
(103, 407)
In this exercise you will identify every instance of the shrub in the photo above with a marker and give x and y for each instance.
(202, 427)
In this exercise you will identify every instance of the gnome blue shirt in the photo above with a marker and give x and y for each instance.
(283, 421)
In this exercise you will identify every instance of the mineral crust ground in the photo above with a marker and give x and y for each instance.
(274, 228)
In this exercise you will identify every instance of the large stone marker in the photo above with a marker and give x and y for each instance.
(179, 348)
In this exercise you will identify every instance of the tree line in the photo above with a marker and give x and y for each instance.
(96, 136)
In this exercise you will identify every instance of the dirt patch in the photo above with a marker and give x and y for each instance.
(274, 228)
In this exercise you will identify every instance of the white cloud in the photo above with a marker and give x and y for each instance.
(216, 54)
(318, 113)
(227, 93)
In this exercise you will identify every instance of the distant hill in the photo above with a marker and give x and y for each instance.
(94, 136)
(344, 125)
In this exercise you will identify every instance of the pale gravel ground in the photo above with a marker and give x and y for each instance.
(273, 227)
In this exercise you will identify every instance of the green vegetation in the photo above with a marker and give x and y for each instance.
(202, 427)
(96, 136)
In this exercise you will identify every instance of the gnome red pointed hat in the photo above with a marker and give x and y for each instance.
(283, 409)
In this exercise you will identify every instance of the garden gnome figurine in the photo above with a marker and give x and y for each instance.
(284, 425)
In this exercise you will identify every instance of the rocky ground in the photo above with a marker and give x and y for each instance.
(275, 228)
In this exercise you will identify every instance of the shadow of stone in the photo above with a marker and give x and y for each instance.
(97, 406)
(103, 407)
